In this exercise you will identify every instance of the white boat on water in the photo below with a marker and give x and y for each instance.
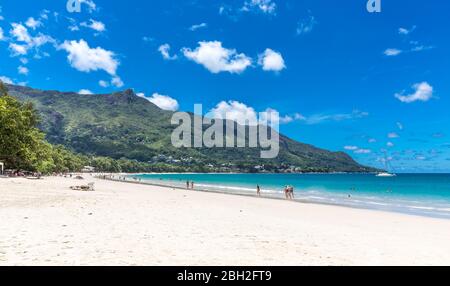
(386, 175)
(387, 167)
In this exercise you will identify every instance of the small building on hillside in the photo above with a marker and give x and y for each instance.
(88, 169)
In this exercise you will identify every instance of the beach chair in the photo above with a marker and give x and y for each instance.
(88, 188)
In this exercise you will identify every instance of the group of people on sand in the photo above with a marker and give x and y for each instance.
(189, 185)
(288, 191)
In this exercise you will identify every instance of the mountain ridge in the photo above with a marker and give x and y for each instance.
(124, 125)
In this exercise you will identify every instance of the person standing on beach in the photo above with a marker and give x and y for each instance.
(187, 185)
(291, 192)
(286, 192)
(192, 185)
(258, 190)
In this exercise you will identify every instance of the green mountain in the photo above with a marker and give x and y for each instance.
(124, 126)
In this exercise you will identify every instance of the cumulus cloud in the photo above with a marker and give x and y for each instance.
(117, 81)
(23, 70)
(247, 115)
(196, 27)
(6, 80)
(33, 23)
(94, 25)
(216, 58)
(18, 50)
(392, 52)
(20, 33)
(2, 36)
(422, 92)
(85, 92)
(86, 59)
(235, 111)
(264, 6)
(271, 61)
(25, 41)
(103, 83)
(390, 144)
(162, 101)
(165, 52)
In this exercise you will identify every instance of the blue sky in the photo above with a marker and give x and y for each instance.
(341, 78)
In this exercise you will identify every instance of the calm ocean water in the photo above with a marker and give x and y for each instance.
(419, 194)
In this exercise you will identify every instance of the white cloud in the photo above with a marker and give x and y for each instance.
(357, 150)
(400, 126)
(217, 59)
(33, 23)
(23, 70)
(20, 33)
(73, 28)
(103, 83)
(392, 52)
(86, 59)
(287, 118)
(18, 50)
(264, 6)
(235, 111)
(372, 140)
(321, 118)
(162, 101)
(393, 135)
(421, 48)
(91, 5)
(390, 144)
(194, 28)
(85, 92)
(306, 26)
(423, 92)
(271, 61)
(147, 39)
(405, 31)
(165, 52)
(6, 80)
(94, 25)
(2, 36)
(351, 148)
(117, 81)
(247, 115)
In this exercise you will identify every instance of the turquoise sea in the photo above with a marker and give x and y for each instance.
(418, 194)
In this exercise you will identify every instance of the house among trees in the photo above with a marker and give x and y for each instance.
(88, 169)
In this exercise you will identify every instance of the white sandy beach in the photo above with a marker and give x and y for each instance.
(45, 223)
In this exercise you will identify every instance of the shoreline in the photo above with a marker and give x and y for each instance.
(46, 223)
(273, 197)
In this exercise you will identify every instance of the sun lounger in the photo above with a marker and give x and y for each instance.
(88, 188)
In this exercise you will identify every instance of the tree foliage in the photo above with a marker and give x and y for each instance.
(23, 145)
